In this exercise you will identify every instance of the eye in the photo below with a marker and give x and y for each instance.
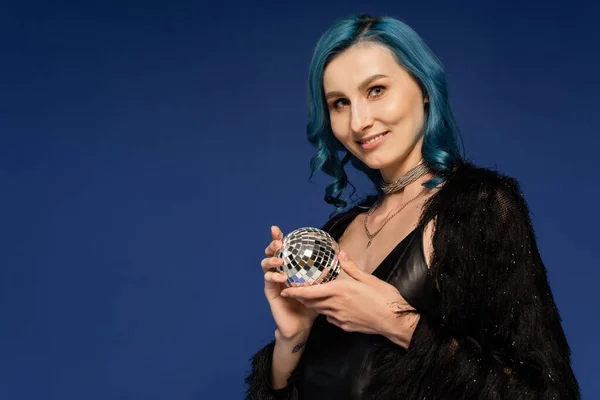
(378, 90)
(381, 90)
(337, 104)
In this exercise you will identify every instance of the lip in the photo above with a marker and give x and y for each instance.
(369, 146)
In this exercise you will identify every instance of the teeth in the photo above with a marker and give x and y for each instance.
(376, 138)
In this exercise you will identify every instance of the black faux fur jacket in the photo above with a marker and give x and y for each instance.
(495, 332)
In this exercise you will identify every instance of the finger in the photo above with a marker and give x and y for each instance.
(268, 264)
(334, 321)
(350, 267)
(323, 306)
(273, 247)
(311, 292)
(276, 233)
(278, 277)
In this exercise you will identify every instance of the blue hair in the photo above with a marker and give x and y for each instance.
(440, 142)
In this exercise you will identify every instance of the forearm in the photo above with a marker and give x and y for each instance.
(286, 355)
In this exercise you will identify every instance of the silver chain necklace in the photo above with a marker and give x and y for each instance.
(412, 175)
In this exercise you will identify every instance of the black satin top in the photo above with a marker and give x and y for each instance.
(337, 364)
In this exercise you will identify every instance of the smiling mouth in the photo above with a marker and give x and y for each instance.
(373, 139)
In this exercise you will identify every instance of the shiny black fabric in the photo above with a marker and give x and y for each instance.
(489, 326)
(338, 364)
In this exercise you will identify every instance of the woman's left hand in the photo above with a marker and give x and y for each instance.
(363, 303)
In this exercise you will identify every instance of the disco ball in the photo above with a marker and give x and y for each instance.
(310, 257)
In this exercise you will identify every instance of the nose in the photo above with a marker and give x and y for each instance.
(361, 118)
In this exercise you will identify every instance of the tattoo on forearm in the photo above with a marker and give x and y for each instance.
(299, 346)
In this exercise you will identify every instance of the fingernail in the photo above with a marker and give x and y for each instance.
(342, 255)
(283, 294)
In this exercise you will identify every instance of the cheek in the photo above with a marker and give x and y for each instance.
(402, 104)
(395, 109)
(338, 127)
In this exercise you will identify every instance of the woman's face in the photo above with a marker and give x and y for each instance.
(370, 96)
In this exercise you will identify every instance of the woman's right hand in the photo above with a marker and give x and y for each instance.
(291, 316)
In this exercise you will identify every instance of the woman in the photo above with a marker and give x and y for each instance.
(442, 294)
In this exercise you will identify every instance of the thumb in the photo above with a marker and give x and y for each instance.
(350, 266)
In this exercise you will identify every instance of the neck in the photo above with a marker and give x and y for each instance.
(393, 200)
(405, 185)
(393, 172)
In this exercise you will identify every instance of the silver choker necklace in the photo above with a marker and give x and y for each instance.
(412, 175)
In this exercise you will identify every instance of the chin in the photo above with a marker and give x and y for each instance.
(381, 161)
(375, 164)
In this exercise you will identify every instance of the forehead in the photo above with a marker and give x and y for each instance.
(360, 61)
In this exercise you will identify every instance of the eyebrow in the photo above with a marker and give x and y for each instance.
(361, 87)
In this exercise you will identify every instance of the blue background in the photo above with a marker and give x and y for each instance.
(147, 147)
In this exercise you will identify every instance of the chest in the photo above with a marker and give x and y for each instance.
(354, 241)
